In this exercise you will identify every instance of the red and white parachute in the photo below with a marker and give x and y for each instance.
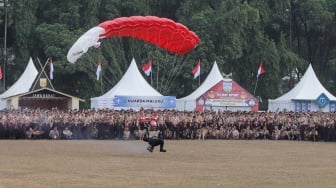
(165, 33)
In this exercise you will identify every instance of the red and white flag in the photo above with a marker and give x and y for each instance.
(147, 68)
(197, 69)
(0, 73)
(99, 68)
(51, 74)
(260, 70)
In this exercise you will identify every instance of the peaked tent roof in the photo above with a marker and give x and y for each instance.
(131, 84)
(24, 83)
(309, 88)
(213, 78)
(42, 75)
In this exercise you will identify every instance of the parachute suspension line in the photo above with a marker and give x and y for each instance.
(163, 77)
(162, 32)
(171, 32)
(168, 70)
(104, 77)
(148, 55)
(158, 68)
(112, 68)
(135, 50)
(102, 60)
(171, 71)
(124, 59)
(115, 66)
(179, 70)
(132, 44)
(158, 71)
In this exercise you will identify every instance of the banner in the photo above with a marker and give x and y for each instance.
(105, 103)
(145, 101)
(227, 93)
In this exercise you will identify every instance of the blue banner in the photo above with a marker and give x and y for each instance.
(332, 106)
(145, 101)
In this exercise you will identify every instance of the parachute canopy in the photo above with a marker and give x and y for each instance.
(165, 33)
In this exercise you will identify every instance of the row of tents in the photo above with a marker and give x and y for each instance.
(217, 92)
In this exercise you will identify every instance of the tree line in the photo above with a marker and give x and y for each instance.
(286, 35)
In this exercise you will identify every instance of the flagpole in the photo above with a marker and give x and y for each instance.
(151, 78)
(101, 84)
(260, 71)
(255, 86)
(199, 79)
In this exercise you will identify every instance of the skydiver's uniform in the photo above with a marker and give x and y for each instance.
(153, 137)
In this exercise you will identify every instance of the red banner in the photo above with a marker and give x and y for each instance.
(227, 93)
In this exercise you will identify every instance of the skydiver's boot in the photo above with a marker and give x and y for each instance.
(161, 146)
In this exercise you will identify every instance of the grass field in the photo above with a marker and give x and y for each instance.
(187, 164)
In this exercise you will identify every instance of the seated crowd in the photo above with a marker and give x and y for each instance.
(175, 125)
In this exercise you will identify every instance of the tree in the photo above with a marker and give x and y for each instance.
(235, 34)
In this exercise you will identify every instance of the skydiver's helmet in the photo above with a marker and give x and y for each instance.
(153, 125)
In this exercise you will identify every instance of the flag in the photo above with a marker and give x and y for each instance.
(51, 69)
(197, 69)
(0, 73)
(98, 70)
(147, 68)
(260, 70)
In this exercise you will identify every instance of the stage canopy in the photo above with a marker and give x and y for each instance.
(308, 95)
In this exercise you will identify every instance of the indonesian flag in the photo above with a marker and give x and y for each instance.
(197, 69)
(260, 70)
(98, 70)
(147, 68)
(51, 75)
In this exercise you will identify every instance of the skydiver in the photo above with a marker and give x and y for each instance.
(153, 136)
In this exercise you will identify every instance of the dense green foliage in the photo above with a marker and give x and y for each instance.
(286, 35)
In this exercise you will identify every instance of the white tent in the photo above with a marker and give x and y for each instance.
(189, 102)
(308, 94)
(131, 84)
(216, 93)
(22, 85)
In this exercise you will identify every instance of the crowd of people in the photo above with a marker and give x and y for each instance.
(106, 124)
